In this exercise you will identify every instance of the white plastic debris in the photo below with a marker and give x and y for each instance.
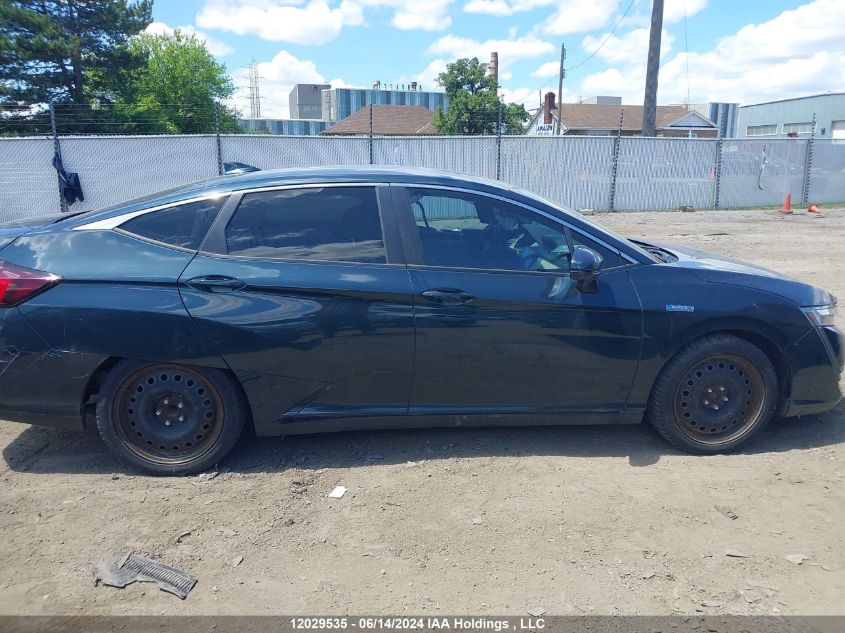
(796, 559)
(337, 493)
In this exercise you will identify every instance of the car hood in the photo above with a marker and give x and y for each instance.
(720, 269)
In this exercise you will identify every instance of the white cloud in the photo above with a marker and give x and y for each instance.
(627, 48)
(510, 50)
(673, 10)
(316, 21)
(215, 47)
(281, 20)
(549, 69)
(278, 77)
(577, 16)
(503, 7)
(425, 15)
(427, 79)
(798, 52)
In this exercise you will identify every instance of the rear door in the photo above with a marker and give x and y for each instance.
(305, 295)
(500, 326)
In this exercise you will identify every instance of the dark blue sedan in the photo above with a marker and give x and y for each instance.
(312, 300)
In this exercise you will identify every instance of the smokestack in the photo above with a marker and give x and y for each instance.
(548, 106)
(494, 67)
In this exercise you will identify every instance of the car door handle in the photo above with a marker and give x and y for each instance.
(447, 296)
(215, 282)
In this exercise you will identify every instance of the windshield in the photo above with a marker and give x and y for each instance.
(600, 230)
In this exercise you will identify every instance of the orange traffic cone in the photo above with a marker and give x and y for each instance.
(787, 204)
(815, 210)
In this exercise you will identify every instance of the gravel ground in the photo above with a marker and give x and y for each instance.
(572, 520)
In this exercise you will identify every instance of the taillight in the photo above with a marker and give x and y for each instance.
(17, 284)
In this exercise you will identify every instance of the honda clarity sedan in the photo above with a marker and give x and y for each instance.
(336, 299)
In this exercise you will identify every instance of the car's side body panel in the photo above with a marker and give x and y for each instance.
(40, 384)
(678, 307)
(310, 338)
(118, 298)
(321, 346)
(550, 345)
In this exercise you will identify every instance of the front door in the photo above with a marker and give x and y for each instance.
(302, 301)
(500, 326)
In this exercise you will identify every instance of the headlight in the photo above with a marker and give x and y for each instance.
(820, 315)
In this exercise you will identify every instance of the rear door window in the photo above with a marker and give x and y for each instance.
(339, 224)
(184, 225)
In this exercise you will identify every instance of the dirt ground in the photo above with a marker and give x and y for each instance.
(573, 520)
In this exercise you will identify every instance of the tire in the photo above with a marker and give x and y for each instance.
(169, 419)
(714, 395)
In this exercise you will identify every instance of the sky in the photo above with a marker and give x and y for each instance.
(740, 51)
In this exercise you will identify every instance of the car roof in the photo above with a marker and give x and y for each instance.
(345, 173)
(295, 175)
(223, 185)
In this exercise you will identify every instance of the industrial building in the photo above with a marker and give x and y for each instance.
(286, 127)
(305, 101)
(790, 118)
(339, 103)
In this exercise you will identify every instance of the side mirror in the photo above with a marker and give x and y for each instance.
(585, 264)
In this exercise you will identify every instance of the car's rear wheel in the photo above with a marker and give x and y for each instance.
(167, 418)
(714, 395)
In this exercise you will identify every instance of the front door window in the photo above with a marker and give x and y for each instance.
(460, 230)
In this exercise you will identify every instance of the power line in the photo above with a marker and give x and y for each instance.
(607, 37)
(548, 83)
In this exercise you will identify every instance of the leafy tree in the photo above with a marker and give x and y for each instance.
(179, 83)
(474, 102)
(67, 51)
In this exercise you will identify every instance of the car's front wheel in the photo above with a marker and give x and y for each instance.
(714, 395)
(169, 419)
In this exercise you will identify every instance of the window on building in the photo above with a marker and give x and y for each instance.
(761, 130)
(184, 225)
(338, 224)
(798, 128)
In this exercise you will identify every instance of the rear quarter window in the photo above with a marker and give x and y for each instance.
(184, 225)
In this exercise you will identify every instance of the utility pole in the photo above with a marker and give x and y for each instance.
(561, 75)
(650, 101)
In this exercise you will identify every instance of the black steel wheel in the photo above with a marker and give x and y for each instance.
(714, 394)
(167, 418)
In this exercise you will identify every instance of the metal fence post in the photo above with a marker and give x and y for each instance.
(217, 134)
(57, 148)
(718, 175)
(371, 134)
(615, 163)
(499, 145)
(808, 164)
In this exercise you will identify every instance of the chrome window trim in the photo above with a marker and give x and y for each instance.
(526, 206)
(113, 222)
(108, 224)
(310, 185)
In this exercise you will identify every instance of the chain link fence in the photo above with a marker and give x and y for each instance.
(599, 173)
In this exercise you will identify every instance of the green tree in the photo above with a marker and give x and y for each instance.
(67, 51)
(179, 83)
(474, 102)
